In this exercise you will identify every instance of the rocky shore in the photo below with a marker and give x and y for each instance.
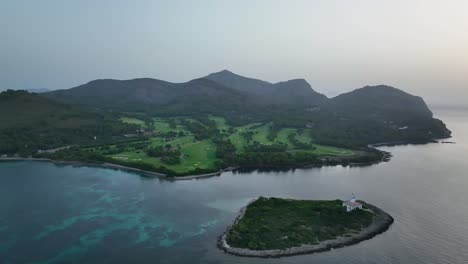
(381, 223)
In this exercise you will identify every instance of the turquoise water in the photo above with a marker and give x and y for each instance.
(62, 213)
(69, 214)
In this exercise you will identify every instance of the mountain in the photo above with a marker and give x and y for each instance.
(241, 83)
(147, 94)
(223, 91)
(38, 90)
(380, 102)
(367, 115)
(297, 91)
(31, 122)
(33, 90)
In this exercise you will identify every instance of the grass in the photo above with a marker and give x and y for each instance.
(220, 122)
(134, 121)
(237, 139)
(304, 137)
(261, 135)
(198, 154)
(202, 154)
(274, 223)
(321, 150)
(159, 125)
(283, 135)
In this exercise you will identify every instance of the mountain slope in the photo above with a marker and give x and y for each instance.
(380, 102)
(155, 97)
(366, 115)
(296, 91)
(241, 83)
(31, 122)
(146, 93)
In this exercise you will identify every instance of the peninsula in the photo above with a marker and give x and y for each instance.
(274, 227)
(211, 124)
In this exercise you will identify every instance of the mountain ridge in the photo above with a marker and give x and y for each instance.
(242, 100)
(234, 89)
(285, 92)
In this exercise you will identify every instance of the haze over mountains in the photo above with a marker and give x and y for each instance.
(223, 85)
(227, 90)
(372, 113)
(296, 91)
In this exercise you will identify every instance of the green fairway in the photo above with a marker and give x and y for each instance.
(220, 123)
(304, 137)
(198, 154)
(135, 121)
(161, 126)
(237, 140)
(201, 154)
(261, 135)
(322, 150)
(283, 135)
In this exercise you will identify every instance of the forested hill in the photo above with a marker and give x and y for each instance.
(31, 122)
(382, 102)
(367, 115)
(117, 93)
(156, 97)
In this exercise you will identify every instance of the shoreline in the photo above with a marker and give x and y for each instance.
(386, 157)
(153, 174)
(107, 165)
(381, 223)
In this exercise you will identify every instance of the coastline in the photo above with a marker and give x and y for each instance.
(121, 167)
(388, 155)
(381, 223)
(153, 174)
(385, 158)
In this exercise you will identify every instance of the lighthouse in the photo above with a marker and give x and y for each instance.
(351, 204)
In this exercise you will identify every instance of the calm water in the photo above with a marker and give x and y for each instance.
(66, 214)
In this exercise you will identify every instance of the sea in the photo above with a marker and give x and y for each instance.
(53, 213)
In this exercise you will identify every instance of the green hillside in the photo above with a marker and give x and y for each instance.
(30, 122)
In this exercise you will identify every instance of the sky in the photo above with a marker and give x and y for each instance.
(337, 46)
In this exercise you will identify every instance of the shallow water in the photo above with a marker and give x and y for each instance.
(68, 214)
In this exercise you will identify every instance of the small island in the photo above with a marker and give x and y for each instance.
(275, 227)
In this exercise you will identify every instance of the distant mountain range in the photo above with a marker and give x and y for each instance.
(34, 90)
(227, 92)
(38, 90)
(296, 91)
(367, 115)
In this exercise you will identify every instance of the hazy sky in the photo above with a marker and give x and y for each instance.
(337, 46)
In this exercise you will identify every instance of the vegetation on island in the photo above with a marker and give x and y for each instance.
(274, 223)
